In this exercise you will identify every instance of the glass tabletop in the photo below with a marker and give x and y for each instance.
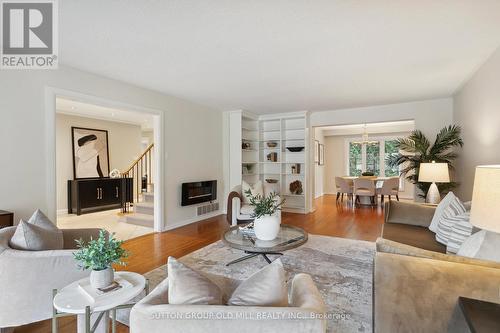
(289, 237)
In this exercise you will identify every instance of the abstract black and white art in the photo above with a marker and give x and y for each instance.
(90, 153)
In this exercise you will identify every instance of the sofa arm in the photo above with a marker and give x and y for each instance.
(420, 295)
(409, 213)
(71, 235)
(27, 279)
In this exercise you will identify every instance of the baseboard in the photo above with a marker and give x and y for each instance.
(192, 220)
(60, 212)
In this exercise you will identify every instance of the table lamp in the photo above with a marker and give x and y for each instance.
(485, 214)
(433, 173)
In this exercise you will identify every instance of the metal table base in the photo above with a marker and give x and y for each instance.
(255, 254)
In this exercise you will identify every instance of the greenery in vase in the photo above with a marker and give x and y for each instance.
(264, 205)
(417, 149)
(99, 254)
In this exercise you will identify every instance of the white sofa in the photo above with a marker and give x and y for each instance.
(27, 278)
(237, 210)
(305, 312)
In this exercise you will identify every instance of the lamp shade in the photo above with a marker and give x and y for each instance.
(434, 173)
(485, 207)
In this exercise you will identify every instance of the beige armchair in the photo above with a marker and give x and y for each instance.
(27, 278)
(344, 186)
(390, 187)
(305, 312)
(364, 187)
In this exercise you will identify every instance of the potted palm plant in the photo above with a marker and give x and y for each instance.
(99, 255)
(417, 149)
(266, 215)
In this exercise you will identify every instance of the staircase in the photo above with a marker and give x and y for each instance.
(142, 210)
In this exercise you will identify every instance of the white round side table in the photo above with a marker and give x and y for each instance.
(71, 300)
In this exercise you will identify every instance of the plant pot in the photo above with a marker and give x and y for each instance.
(267, 227)
(102, 278)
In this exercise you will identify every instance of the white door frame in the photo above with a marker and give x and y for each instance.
(51, 94)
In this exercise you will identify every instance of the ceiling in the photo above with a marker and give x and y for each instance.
(269, 56)
(76, 108)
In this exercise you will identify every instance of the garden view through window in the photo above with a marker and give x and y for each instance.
(372, 157)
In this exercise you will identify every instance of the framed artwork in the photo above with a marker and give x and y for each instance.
(90, 153)
(321, 154)
(316, 151)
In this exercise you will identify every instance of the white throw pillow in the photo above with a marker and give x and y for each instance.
(256, 189)
(438, 213)
(266, 287)
(460, 231)
(451, 216)
(187, 286)
(31, 237)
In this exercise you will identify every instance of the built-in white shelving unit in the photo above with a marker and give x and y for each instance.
(264, 154)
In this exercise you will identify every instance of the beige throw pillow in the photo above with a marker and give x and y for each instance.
(186, 286)
(266, 287)
(256, 189)
(30, 237)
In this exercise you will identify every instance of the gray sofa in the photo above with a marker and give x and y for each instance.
(304, 314)
(416, 284)
(28, 277)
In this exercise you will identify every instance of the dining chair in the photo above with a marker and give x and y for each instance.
(364, 187)
(389, 187)
(344, 186)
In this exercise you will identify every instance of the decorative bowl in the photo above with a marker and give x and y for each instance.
(295, 149)
(272, 144)
(271, 180)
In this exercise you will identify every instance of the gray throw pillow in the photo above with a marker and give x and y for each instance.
(30, 237)
(40, 220)
(187, 286)
(452, 214)
(266, 287)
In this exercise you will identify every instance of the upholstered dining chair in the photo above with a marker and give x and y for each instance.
(344, 186)
(364, 187)
(389, 188)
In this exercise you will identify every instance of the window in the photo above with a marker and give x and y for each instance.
(390, 150)
(355, 159)
(371, 156)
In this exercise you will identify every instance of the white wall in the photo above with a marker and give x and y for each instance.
(124, 144)
(429, 116)
(477, 110)
(319, 170)
(192, 140)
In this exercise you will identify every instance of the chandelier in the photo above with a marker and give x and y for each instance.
(364, 138)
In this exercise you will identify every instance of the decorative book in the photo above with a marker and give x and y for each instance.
(95, 294)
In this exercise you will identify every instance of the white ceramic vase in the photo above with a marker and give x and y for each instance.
(267, 227)
(102, 278)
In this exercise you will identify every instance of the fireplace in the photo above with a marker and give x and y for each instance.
(198, 192)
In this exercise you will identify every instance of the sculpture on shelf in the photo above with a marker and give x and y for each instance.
(115, 173)
(296, 187)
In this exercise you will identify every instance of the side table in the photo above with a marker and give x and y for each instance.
(71, 300)
(6, 219)
(475, 316)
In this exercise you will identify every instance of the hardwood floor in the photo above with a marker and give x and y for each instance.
(151, 251)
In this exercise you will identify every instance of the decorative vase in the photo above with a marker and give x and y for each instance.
(267, 227)
(102, 278)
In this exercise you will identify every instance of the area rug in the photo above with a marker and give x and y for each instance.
(341, 269)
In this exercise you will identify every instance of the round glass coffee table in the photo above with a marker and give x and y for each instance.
(288, 238)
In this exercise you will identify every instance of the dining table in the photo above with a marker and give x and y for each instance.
(378, 184)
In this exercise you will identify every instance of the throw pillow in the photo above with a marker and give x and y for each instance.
(448, 219)
(460, 231)
(30, 237)
(187, 286)
(40, 220)
(256, 189)
(438, 213)
(266, 287)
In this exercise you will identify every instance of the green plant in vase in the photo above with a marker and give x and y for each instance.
(266, 214)
(98, 255)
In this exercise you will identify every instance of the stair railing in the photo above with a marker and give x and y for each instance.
(141, 172)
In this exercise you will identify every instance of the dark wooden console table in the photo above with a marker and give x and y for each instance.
(98, 194)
